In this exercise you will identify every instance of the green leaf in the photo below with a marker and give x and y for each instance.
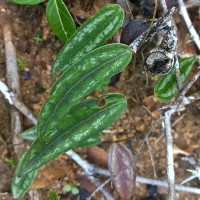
(166, 87)
(11, 162)
(94, 140)
(20, 63)
(30, 134)
(21, 185)
(78, 81)
(53, 195)
(75, 191)
(60, 20)
(92, 34)
(84, 121)
(27, 2)
(67, 188)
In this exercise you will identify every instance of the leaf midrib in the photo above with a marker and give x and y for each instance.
(84, 77)
(71, 129)
(80, 46)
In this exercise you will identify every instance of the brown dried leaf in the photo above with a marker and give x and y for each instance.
(122, 167)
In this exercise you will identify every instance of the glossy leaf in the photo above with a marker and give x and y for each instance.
(92, 34)
(94, 140)
(27, 2)
(122, 168)
(60, 20)
(30, 134)
(84, 121)
(79, 80)
(53, 195)
(21, 185)
(166, 87)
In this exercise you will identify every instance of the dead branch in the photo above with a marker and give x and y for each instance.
(191, 29)
(15, 101)
(13, 83)
(175, 107)
(88, 168)
(96, 170)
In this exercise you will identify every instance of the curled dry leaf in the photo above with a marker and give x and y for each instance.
(122, 167)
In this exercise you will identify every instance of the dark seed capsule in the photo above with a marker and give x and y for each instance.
(133, 30)
(158, 62)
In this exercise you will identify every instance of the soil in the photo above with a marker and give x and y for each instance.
(29, 23)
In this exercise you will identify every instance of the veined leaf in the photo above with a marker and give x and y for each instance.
(79, 80)
(60, 20)
(122, 167)
(30, 134)
(166, 87)
(21, 185)
(84, 120)
(92, 34)
(27, 2)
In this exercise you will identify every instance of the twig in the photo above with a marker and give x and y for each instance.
(167, 123)
(158, 25)
(88, 168)
(100, 187)
(173, 109)
(96, 170)
(169, 153)
(195, 174)
(15, 101)
(13, 83)
(178, 73)
(177, 106)
(190, 84)
(164, 184)
(163, 5)
(193, 33)
(151, 157)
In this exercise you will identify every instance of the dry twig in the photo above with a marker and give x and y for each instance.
(14, 96)
(16, 102)
(193, 33)
(13, 83)
(95, 170)
(91, 169)
(175, 107)
(88, 168)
